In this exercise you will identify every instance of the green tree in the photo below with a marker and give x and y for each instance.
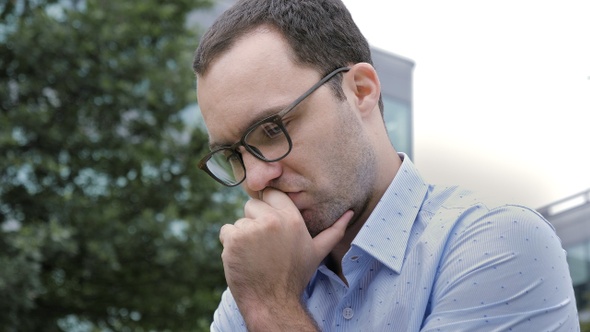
(106, 223)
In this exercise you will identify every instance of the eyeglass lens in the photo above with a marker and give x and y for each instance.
(268, 141)
(226, 166)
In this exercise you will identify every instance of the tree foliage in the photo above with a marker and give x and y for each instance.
(106, 223)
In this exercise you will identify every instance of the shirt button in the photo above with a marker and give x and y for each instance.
(347, 313)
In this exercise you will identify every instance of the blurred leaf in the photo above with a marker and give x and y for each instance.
(106, 223)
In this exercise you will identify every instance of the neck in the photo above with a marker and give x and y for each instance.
(336, 255)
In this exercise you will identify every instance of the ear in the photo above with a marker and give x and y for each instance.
(363, 82)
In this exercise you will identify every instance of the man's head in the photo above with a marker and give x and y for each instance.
(340, 145)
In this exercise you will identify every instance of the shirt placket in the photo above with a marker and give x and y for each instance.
(354, 266)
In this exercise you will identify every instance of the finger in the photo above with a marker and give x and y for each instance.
(253, 208)
(241, 223)
(274, 199)
(328, 238)
(224, 232)
(278, 199)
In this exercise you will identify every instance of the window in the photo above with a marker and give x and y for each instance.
(398, 121)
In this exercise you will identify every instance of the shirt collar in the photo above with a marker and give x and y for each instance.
(385, 234)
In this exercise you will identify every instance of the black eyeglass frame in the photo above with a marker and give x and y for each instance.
(276, 119)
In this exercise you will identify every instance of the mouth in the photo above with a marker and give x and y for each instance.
(295, 198)
(300, 200)
(293, 195)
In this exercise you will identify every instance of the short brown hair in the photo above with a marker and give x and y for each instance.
(321, 33)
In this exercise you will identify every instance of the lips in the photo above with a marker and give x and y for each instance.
(297, 199)
(294, 196)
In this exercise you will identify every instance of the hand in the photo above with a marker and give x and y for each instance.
(269, 256)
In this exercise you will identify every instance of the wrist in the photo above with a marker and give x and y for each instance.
(283, 316)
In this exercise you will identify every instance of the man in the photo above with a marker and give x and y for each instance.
(341, 233)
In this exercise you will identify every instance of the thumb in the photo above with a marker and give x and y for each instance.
(329, 237)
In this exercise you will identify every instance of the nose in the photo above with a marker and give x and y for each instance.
(259, 173)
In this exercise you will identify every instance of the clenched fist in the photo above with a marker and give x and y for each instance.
(269, 257)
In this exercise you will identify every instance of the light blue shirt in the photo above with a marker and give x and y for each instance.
(437, 259)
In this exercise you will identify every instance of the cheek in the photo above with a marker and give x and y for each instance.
(318, 145)
(314, 160)
(303, 168)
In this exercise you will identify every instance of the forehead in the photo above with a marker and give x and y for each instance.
(255, 77)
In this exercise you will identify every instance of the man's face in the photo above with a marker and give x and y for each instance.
(331, 167)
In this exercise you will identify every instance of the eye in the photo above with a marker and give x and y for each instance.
(265, 134)
(230, 155)
(232, 158)
(271, 130)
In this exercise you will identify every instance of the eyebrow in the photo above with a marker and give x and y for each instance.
(262, 115)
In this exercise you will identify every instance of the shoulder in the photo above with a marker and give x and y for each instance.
(514, 223)
(503, 265)
(469, 212)
(509, 238)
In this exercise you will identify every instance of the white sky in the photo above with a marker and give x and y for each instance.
(501, 91)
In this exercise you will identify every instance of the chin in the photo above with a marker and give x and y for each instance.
(313, 227)
(316, 223)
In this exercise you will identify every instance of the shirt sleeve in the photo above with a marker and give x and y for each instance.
(227, 317)
(503, 271)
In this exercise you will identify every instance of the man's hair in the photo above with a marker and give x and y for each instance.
(321, 34)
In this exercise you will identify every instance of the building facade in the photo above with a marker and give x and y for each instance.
(571, 219)
(395, 75)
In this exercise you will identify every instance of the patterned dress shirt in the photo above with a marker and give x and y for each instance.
(435, 258)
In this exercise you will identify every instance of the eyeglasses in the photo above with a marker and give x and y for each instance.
(266, 140)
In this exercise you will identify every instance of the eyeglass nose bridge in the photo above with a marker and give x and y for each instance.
(250, 148)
